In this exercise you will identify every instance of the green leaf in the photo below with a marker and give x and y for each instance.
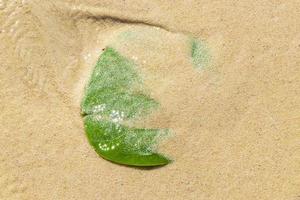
(124, 145)
(199, 53)
(114, 86)
(112, 96)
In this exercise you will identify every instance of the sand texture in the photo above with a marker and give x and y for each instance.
(235, 118)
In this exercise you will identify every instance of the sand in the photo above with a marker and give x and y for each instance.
(235, 122)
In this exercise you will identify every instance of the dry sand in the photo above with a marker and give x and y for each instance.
(236, 122)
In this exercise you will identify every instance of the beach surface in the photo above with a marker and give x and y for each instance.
(234, 121)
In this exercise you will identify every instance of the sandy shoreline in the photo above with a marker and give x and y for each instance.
(236, 123)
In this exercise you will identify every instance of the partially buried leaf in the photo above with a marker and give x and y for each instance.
(112, 96)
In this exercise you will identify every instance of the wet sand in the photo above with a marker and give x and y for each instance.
(235, 122)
